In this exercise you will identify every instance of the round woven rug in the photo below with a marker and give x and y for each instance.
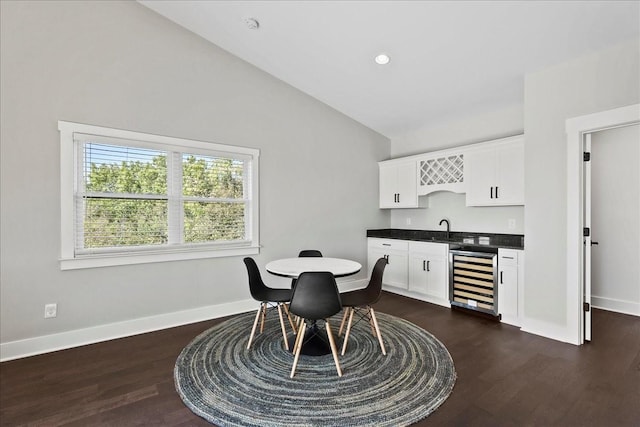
(228, 385)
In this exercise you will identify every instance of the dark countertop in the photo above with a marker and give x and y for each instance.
(468, 239)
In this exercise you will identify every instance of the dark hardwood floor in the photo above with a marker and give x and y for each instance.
(505, 377)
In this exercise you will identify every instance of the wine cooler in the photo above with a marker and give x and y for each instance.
(473, 280)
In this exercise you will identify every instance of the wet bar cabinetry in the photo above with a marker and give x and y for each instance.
(441, 171)
(495, 173)
(419, 267)
(415, 269)
(396, 252)
(510, 282)
(428, 271)
(398, 184)
(490, 173)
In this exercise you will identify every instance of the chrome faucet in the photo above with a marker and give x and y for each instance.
(448, 226)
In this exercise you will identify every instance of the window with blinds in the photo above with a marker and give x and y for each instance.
(140, 194)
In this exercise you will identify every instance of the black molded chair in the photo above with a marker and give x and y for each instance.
(267, 297)
(307, 253)
(310, 253)
(315, 297)
(360, 301)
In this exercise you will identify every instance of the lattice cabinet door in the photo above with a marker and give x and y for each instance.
(442, 173)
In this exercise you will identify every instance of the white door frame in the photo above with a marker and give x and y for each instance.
(576, 128)
(587, 240)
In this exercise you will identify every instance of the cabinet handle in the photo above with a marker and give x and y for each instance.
(398, 197)
(424, 268)
(496, 192)
(386, 244)
(428, 269)
(501, 281)
(492, 192)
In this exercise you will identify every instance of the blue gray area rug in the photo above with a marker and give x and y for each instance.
(228, 385)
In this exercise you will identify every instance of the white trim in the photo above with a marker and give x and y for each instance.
(619, 306)
(64, 340)
(72, 127)
(70, 339)
(416, 295)
(141, 258)
(577, 127)
(69, 259)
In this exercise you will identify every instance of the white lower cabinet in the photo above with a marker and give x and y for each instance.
(510, 280)
(415, 269)
(428, 271)
(421, 270)
(396, 253)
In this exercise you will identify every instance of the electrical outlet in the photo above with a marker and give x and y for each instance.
(512, 224)
(50, 310)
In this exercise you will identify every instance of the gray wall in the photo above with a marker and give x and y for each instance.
(615, 219)
(600, 81)
(118, 64)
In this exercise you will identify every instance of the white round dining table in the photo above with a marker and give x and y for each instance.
(293, 267)
(313, 344)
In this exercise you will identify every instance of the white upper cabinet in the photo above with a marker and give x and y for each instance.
(494, 173)
(490, 173)
(398, 181)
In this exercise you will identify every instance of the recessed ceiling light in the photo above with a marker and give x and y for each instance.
(382, 59)
(252, 23)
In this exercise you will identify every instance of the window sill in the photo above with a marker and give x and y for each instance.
(141, 258)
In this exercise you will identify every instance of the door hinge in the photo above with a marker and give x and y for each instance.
(586, 232)
(586, 156)
(586, 306)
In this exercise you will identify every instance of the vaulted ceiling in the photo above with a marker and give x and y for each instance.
(449, 59)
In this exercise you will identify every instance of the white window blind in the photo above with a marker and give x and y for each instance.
(122, 199)
(144, 196)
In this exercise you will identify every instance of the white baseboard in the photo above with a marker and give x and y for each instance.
(531, 326)
(619, 306)
(415, 295)
(64, 340)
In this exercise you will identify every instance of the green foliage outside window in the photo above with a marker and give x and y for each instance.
(212, 202)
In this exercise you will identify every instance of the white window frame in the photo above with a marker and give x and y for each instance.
(69, 163)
